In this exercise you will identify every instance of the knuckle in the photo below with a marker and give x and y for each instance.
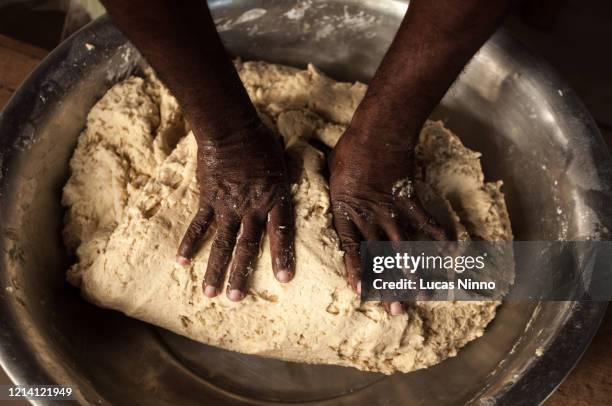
(250, 243)
(246, 249)
(283, 232)
(365, 213)
(354, 271)
(227, 230)
(212, 277)
(242, 271)
(200, 219)
(223, 244)
(341, 206)
(346, 233)
(194, 231)
(350, 246)
(198, 225)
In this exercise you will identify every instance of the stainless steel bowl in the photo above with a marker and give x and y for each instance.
(533, 132)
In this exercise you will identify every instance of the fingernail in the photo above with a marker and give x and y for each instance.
(235, 295)
(284, 276)
(182, 260)
(396, 309)
(210, 291)
(359, 287)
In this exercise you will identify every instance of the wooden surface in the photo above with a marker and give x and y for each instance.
(16, 61)
(589, 384)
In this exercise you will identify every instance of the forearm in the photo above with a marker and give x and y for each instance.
(180, 41)
(434, 42)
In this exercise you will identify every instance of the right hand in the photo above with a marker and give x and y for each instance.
(244, 187)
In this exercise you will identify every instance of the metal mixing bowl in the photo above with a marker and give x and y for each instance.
(533, 133)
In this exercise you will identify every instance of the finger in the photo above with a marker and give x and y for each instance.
(366, 227)
(220, 254)
(281, 232)
(350, 240)
(194, 235)
(393, 308)
(245, 256)
(364, 220)
(420, 220)
(393, 229)
(370, 232)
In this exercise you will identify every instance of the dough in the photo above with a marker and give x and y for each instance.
(132, 193)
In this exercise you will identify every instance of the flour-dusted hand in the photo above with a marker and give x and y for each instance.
(244, 187)
(241, 169)
(373, 199)
(371, 170)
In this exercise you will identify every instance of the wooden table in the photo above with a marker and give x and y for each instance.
(16, 61)
(590, 383)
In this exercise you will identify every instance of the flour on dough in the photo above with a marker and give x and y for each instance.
(132, 193)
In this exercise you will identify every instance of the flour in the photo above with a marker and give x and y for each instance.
(132, 193)
(250, 15)
(402, 188)
(298, 11)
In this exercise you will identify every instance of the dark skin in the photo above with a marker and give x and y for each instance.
(434, 42)
(241, 169)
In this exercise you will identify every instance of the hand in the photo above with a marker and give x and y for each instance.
(373, 198)
(244, 186)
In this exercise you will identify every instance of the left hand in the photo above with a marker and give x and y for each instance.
(373, 198)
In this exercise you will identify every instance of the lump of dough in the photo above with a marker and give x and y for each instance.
(127, 237)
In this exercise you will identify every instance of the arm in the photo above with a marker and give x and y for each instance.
(434, 42)
(179, 39)
(241, 170)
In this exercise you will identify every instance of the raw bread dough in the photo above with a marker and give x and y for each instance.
(133, 192)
